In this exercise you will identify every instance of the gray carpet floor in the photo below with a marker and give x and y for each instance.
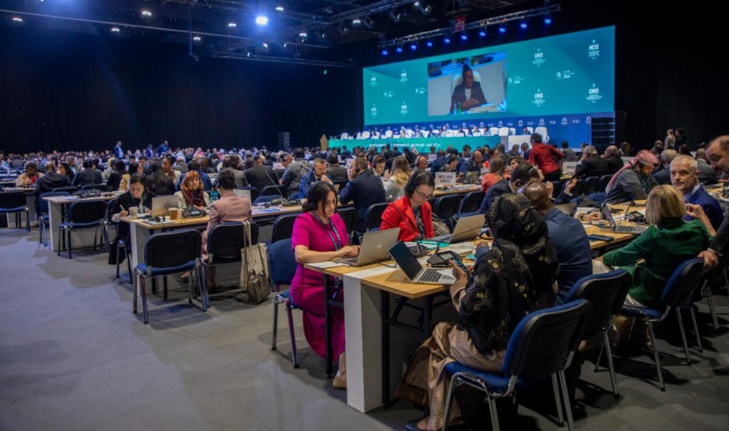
(74, 357)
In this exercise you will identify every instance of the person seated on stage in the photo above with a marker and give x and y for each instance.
(394, 187)
(652, 257)
(30, 177)
(364, 189)
(569, 239)
(319, 173)
(497, 170)
(521, 176)
(662, 175)
(685, 177)
(546, 158)
(230, 207)
(468, 94)
(634, 181)
(505, 285)
(412, 213)
(320, 235)
(135, 197)
(192, 192)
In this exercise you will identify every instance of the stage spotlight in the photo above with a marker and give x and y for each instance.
(523, 25)
(398, 49)
(232, 25)
(482, 33)
(325, 72)
(196, 38)
(384, 52)
(265, 45)
(280, 8)
(447, 40)
(115, 30)
(464, 37)
(413, 47)
(17, 19)
(303, 35)
(429, 44)
(356, 21)
(502, 29)
(261, 20)
(547, 20)
(146, 13)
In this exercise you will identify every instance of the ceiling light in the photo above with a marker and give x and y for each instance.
(232, 25)
(196, 38)
(265, 45)
(395, 16)
(17, 19)
(416, 4)
(464, 37)
(384, 52)
(523, 25)
(303, 35)
(502, 29)
(427, 10)
(482, 33)
(447, 40)
(398, 49)
(261, 20)
(280, 8)
(547, 19)
(146, 13)
(429, 44)
(115, 29)
(356, 21)
(413, 47)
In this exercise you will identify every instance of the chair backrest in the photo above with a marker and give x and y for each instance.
(110, 210)
(471, 202)
(42, 204)
(503, 131)
(603, 183)
(590, 185)
(445, 207)
(543, 340)
(281, 262)
(12, 200)
(225, 240)
(69, 189)
(279, 190)
(349, 216)
(172, 249)
(606, 292)
(682, 283)
(283, 227)
(373, 215)
(542, 131)
(493, 131)
(86, 212)
(100, 187)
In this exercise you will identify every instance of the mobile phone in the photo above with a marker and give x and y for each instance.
(448, 256)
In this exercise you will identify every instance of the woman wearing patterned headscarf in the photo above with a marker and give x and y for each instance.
(513, 278)
(634, 180)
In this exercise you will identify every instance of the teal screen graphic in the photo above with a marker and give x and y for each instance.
(567, 74)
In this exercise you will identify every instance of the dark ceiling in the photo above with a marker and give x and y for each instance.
(226, 28)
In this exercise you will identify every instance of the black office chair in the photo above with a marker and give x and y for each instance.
(282, 266)
(678, 291)
(43, 216)
(372, 218)
(349, 216)
(99, 187)
(81, 215)
(590, 185)
(170, 253)
(541, 346)
(224, 245)
(15, 203)
(470, 204)
(603, 183)
(69, 189)
(279, 190)
(283, 227)
(606, 292)
(445, 207)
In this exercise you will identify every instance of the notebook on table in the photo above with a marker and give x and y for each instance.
(414, 271)
(375, 246)
(467, 228)
(635, 229)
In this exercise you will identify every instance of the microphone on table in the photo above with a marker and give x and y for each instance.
(283, 201)
(418, 237)
(631, 204)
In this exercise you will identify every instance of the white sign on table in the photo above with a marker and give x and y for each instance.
(445, 178)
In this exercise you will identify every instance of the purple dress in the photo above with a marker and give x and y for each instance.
(307, 287)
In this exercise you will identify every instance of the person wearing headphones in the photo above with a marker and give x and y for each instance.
(364, 189)
(412, 213)
(521, 176)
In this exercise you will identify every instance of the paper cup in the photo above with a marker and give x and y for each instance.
(133, 212)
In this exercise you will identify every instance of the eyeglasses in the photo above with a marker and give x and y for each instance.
(423, 195)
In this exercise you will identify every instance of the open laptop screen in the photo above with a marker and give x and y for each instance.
(405, 259)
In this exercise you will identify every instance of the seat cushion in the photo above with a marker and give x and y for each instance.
(13, 210)
(156, 272)
(286, 296)
(641, 312)
(496, 383)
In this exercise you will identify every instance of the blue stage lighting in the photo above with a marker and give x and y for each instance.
(384, 52)
(398, 49)
(447, 40)
(413, 47)
(464, 37)
(261, 20)
(429, 44)
(547, 20)
(502, 29)
(482, 33)
(523, 25)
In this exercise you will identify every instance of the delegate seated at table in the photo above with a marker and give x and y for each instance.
(412, 213)
(507, 283)
(319, 235)
(192, 192)
(135, 197)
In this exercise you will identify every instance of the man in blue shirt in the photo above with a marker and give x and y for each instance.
(118, 152)
(473, 164)
(319, 173)
(568, 237)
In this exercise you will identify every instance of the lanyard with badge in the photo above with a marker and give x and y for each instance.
(336, 281)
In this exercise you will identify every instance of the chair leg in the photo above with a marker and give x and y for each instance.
(606, 341)
(449, 402)
(275, 322)
(494, 415)
(58, 245)
(566, 398)
(696, 330)
(27, 219)
(557, 400)
(164, 285)
(135, 294)
(683, 335)
(118, 246)
(68, 234)
(129, 262)
(712, 308)
(294, 352)
(655, 356)
(143, 288)
(599, 356)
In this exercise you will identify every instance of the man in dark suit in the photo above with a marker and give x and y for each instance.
(591, 164)
(88, 176)
(663, 173)
(258, 174)
(521, 176)
(336, 172)
(468, 94)
(613, 158)
(718, 154)
(364, 188)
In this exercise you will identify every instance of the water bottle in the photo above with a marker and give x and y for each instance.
(214, 196)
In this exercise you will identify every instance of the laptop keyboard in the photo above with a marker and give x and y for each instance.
(430, 274)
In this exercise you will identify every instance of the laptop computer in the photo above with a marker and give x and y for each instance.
(414, 271)
(375, 246)
(471, 178)
(244, 194)
(467, 228)
(623, 228)
(161, 204)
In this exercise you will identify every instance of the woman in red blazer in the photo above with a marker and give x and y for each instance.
(412, 213)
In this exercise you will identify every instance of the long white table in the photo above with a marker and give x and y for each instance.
(56, 210)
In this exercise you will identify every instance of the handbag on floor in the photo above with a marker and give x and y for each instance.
(254, 276)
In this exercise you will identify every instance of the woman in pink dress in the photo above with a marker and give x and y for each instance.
(320, 235)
